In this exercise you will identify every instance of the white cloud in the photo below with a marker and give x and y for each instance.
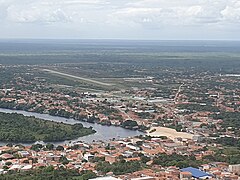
(48, 11)
(171, 12)
(113, 18)
(232, 12)
(37, 15)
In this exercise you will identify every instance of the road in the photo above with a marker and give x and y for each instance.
(77, 77)
(122, 111)
(178, 92)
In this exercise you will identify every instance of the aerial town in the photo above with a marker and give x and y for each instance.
(188, 124)
(119, 89)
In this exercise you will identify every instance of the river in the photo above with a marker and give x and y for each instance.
(103, 133)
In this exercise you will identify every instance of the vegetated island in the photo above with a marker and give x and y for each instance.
(19, 128)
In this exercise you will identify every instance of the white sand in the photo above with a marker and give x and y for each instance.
(168, 132)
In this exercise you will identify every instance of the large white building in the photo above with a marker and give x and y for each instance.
(235, 168)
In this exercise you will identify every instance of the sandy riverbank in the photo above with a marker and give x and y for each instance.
(168, 132)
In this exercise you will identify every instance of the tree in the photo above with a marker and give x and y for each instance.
(36, 147)
(49, 146)
(88, 175)
(59, 148)
(129, 124)
(145, 159)
(64, 160)
(8, 163)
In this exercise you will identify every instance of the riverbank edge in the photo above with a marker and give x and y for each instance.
(93, 131)
(80, 120)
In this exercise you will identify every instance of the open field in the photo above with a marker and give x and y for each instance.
(168, 132)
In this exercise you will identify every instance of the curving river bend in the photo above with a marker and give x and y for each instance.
(103, 133)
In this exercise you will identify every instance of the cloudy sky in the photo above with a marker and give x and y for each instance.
(121, 19)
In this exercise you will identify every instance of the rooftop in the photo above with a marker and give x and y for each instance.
(195, 172)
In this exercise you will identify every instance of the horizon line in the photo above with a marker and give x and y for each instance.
(115, 39)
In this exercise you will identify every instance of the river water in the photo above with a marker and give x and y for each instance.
(103, 133)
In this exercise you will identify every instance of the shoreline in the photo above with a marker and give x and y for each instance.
(19, 128)
(103, 133)
(72, 117)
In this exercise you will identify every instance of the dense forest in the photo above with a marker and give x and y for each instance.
(176, 160)
(18, 128)
(230, 119)
(118, 168)
(49, 173)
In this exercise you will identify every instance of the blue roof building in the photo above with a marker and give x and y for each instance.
(197, 173)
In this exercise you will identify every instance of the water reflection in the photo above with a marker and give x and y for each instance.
(103, 133)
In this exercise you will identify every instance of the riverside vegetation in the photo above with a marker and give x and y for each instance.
(18, 128)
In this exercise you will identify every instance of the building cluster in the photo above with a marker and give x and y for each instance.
(82, 156)
(185, 119)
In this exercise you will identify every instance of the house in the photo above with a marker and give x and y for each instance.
(144, 178)
(88, 156)
(105, 178)
(6, 156)
(1, 171)
(235, 168)
(185, 175)
(26, 167)
(23, 153)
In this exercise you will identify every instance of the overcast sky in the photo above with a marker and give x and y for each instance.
(121, 19)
